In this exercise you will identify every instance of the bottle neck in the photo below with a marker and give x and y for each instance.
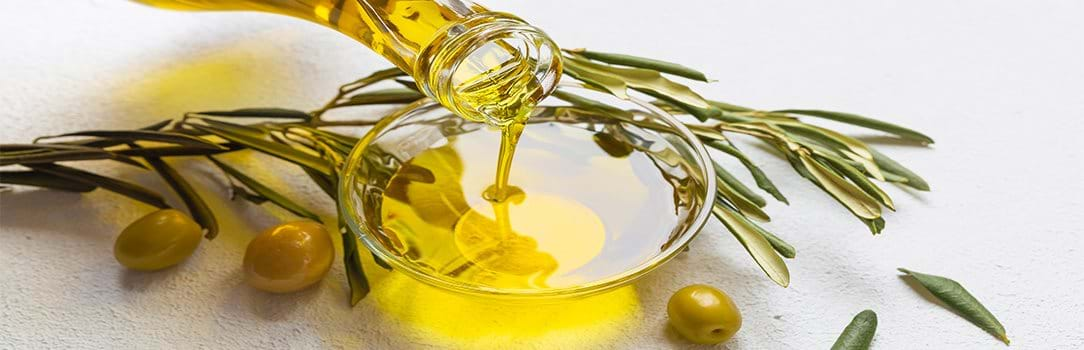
(490, 67)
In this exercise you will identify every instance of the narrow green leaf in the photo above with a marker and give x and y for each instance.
(737, 186)
(378, 97)
(583, 102)
(866, 122)
(272, 113)
(845, 145)
(281, 151)
(44, 153)
(355, 274)
(44, 180)
(266, 192)
(199, 210)
(701, 113)
(891, 166)
(373, 78)
(127, 189)
(157, 126)
(325, 182)
(859, 333)
(605, 82)
(744, 206)
(729, 107)
(960, 301)
(759, 176)
(143, 135)
(640, 79)
(176, 151)
(244, 129)
(409, 84)
(858, 202)
(754, 242)
(643, 62)
(780, 246)
(859, 179)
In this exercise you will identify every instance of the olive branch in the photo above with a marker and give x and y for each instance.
(845, 168)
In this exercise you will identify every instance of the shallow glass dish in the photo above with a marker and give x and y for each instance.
(682, 175)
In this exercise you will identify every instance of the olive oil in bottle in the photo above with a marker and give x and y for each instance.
(483, 65)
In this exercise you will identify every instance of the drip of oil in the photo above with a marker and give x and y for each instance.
(566, 214)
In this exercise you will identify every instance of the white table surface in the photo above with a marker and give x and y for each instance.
(998, 84)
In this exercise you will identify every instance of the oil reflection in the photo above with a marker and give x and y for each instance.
(232, 74)
(471, 322)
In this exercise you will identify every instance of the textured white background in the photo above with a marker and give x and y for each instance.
(999, 84)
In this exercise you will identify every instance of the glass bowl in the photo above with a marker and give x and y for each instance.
(684, 184)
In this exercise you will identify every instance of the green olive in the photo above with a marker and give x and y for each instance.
(157, 240)
(703, 314)
(289, 257)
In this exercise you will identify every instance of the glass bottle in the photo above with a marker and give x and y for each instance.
(483, 65)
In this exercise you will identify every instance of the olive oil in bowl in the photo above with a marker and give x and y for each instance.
(588, 202)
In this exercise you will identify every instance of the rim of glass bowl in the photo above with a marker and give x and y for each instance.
(354, 222)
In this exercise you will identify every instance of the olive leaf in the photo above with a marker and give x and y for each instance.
(124, 188)
(701, 113)
(142, 135)
(960, 301)
(729, 107)
(859, 179)
(642, 62)
(583, 102)
(736, 185)
(44, 180)
(175, 151)
(324, 181)
(245, 129)
(780, 246)
(759, 176)
(858, 202)
(385, 96)
(743, 205)
(617, 80)
(265, 192)
(875, 225)
(278, 150)
(199, 210)
(355, 273)
(847, 146)
(859, 333)
(157, 126)
(409, 84)
(891, 166)
(862, 121)
(271, 113)
(754, 242)
(373, 78)
(43, 153)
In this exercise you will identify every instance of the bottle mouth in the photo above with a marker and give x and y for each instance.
(491, 67)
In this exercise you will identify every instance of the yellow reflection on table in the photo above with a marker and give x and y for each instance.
(473, 322)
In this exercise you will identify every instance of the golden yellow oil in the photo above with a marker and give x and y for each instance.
(398, 24)
(573, 214)
(497, 79)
